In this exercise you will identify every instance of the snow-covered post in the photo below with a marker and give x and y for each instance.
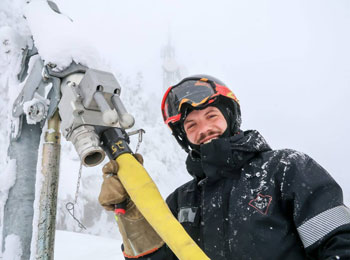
(18, 211)
(45, 240)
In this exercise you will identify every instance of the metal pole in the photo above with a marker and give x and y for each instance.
(48, 193)
(18, 211)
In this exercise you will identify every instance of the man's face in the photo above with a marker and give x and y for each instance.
(201, 126)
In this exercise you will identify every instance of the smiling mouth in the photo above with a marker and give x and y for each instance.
(209, 139)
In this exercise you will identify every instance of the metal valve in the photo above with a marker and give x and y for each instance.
(90, 105)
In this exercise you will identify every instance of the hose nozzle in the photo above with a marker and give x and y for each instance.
(86, 143)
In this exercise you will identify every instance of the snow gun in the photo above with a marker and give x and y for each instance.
(94, 119)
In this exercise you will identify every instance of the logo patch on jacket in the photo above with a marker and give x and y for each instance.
(187, 215)
(261, 203)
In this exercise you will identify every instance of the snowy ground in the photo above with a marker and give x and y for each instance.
(74, 246)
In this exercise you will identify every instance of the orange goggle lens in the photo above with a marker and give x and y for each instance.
(194, 92)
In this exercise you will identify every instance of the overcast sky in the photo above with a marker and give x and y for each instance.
(287, 61)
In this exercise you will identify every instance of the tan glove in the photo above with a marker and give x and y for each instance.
(139, 238)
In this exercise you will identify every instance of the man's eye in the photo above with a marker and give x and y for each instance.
(189, 126)
(212, 115)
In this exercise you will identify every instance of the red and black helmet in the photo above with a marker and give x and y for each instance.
(196, 92)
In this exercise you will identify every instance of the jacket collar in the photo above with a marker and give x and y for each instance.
(224, 157)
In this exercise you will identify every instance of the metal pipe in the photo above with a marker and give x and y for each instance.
(48, 194)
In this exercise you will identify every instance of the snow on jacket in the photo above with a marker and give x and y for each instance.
(247, 201)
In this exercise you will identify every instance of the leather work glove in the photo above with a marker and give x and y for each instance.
(139, 238)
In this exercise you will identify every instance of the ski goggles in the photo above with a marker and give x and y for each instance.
(194, 92)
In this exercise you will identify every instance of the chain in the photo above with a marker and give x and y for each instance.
(70, 205)
(78, 183)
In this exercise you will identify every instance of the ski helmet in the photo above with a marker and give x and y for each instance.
(197, 92)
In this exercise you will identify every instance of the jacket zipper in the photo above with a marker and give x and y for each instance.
(201, 235)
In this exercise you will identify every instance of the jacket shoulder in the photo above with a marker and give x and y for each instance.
(289, 165)
(289, 154)
(287, 157)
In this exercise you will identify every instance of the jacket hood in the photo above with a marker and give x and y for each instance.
(225, 156)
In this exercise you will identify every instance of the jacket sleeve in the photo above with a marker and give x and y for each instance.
(320, 216)
(163, 253)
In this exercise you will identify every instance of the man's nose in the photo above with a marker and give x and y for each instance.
(204, 128)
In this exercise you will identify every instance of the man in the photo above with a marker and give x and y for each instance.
(246, 201)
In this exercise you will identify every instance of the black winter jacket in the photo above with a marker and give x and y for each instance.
(247, 201)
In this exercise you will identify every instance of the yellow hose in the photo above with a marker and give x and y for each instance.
(145, 194)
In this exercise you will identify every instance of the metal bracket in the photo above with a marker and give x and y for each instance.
(32, 84)
(26, 55)
(41, 83)
(56, 76)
